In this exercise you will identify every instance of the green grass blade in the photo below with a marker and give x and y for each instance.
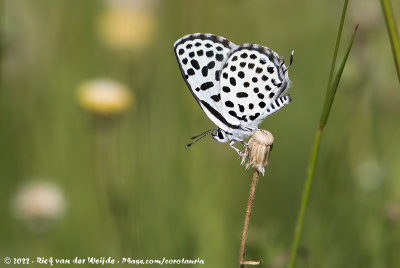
(339, 35)
(314, 155)
(393, 34)
(330, 95)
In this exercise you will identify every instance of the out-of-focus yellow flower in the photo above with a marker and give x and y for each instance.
(127, 25)
(104, 97)
(38, 203)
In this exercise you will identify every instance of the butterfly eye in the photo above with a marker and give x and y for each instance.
(263, 61)
(220, 135)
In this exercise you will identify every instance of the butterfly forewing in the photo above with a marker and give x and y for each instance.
(200, 58)
(252, 78)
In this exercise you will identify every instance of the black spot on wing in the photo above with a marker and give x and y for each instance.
(259, 70)
(217, 75)
(241, 108)
(233, 68)
(206, 85)
(229, 104)
(241, 74)
(190, 71)
(200, 52)
(232, 80)
(211, 65)
(271, 95)
(225, 75)
(233, 113)
(195, 64)
(251, 65)
(216, 98)
(204, 71)
(181, 51)
(253, 56)
(184, 61)
(244, 55)
(254, 117)
(219, 57)
(226, 89)
(262, 104)
(191, 54)
(242, 95)
(209, 53)
(270, 69)
(246, 84)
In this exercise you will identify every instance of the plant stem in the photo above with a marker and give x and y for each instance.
(330, 95)
(247, 219)
(304, 199)
(339, 35)
(393, 34)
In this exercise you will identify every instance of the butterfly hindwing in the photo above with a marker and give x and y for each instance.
(252, 79)
(200, 58)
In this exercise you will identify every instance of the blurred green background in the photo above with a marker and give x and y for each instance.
(121, 182)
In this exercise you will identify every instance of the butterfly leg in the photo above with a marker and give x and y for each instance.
(233, 147)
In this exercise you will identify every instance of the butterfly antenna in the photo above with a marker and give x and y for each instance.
(291, 61)
(199, 137)
(201, 134)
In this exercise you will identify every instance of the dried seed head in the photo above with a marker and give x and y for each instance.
(258, 149)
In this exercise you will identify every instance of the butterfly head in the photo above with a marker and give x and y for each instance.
(220, 135)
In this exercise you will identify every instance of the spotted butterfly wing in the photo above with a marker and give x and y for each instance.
(200, 58)
(253, 80)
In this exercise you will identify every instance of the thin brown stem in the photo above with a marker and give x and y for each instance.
(253, 186)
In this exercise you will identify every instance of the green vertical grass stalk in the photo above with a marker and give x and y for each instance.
(339, 36)
(393, 34)
(330, 95)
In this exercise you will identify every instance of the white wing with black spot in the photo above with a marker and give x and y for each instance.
(200, 58)
(253, 81)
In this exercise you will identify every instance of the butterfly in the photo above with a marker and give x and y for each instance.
(237, 86)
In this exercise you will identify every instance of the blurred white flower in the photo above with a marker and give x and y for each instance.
(104, 97)
(369, 175)
(38, 203)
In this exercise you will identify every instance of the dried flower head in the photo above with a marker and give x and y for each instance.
(258, 149)
(38, 203)
(127, 25)
(104, 97)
